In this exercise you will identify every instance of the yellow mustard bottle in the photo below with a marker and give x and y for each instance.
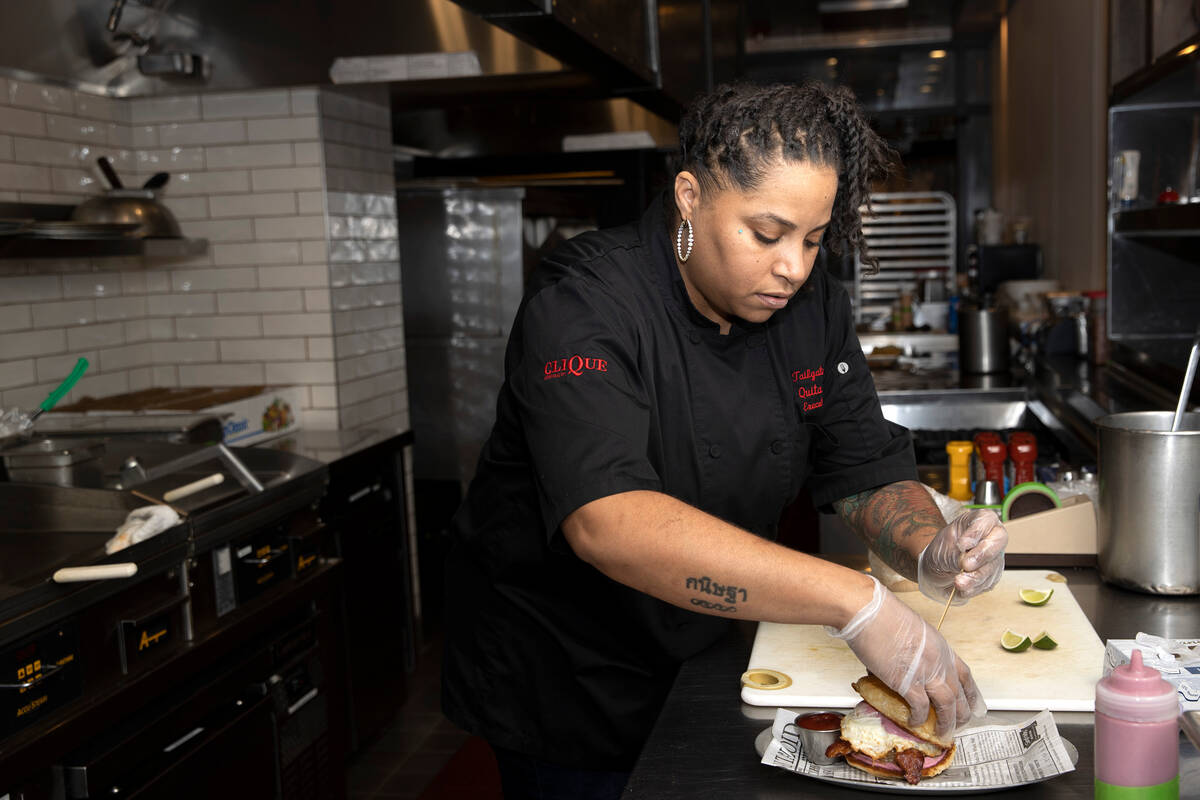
(960, 469)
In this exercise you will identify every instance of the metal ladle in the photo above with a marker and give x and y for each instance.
(1188, 377)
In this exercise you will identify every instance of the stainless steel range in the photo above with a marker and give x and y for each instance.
(231, 604)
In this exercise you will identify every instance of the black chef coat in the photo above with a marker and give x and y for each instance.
(614, 382)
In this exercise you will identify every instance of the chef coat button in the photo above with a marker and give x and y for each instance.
(695, 337)
(777, 447)
(714, 450)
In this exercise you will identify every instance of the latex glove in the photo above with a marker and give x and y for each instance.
(968, 554)
(905, 652)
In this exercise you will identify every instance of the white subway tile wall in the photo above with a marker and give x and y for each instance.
(224, 339)
(282, 183)
(364, 252)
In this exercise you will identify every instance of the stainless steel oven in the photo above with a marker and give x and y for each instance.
(301, 715)
(182, 678)
(209, 739)
(256, 727)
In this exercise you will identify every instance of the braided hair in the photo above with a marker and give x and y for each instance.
(730, 137)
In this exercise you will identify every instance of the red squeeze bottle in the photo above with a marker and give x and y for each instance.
(992, 452)
(1022, 449)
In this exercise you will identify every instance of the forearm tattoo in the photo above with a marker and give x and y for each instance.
(893, 520)
(726, 597)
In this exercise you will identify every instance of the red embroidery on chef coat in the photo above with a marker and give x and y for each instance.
(574, 365)
(808, 388)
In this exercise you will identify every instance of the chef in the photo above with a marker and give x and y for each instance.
(670, 386)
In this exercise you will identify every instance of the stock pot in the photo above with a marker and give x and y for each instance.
(1149, 533)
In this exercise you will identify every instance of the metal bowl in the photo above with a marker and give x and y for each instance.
(130, 206)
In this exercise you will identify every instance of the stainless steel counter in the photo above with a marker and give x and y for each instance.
(703, 743)
(328, 446)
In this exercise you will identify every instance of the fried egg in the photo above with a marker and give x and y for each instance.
(871, 733)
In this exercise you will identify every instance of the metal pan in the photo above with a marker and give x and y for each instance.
(68, 229)
(13, 227)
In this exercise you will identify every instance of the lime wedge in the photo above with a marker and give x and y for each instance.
(1014, 642)
(1043, 641)
(1036, 597)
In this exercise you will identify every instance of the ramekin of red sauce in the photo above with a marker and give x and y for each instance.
(820, 721)
(818, 730)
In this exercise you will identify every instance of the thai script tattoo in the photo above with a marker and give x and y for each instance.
(729, 594)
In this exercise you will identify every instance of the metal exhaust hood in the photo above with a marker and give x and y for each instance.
(577, 65)
(128, 48)
(616, 40)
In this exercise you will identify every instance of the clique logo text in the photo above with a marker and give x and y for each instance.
(575, 365)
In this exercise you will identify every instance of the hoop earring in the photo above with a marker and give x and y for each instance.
(679, 240)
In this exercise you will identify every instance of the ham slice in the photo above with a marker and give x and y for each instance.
(912, 774)
(890, 766)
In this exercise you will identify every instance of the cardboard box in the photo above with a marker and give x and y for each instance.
(249, 414)
(264, 416)
(1067, 530)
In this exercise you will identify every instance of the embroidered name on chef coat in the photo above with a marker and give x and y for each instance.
(574, 365)
(808, 387)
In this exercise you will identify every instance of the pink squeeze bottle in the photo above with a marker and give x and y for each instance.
(1137, 734)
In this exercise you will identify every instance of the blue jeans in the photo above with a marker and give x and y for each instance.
(525, 778)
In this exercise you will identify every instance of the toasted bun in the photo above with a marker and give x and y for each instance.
(895, 708)
(928, 772)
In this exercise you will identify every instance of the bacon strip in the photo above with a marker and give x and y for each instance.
(911, 761)
(839, 748)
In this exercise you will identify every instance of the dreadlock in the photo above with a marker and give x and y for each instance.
(731, 136)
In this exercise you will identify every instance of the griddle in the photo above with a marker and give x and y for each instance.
(44, 528)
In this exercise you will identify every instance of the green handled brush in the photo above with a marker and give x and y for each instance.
(67, 385)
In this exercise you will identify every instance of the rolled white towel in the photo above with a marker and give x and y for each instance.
(141, 524)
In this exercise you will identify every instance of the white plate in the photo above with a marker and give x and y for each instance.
(927, 786)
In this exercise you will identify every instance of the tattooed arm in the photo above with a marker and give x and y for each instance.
(666, 548)
(896, 521)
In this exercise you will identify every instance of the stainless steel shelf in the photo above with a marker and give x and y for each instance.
(31, 247)
(912, 235)
(25, 245)
(1168, 220)
(910, 342)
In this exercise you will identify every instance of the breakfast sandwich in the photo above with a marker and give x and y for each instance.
(877, 738)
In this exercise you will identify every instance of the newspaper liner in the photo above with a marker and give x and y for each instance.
(989, 756)
(1178, 660)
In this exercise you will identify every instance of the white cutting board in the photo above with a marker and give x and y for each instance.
(1063, 679)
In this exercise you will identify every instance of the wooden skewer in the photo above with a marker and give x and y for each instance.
(949, 600)
(176, 509)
